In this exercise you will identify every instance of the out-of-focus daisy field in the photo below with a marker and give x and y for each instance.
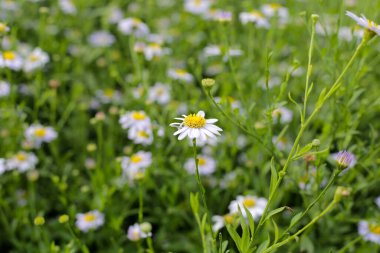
(210, 126)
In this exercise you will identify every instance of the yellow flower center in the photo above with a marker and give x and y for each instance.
(257, 14)
(201, 161)
(143, 134)
(228, 218)
(108, 93)
(136, 159)
(21, 157)
(88, 217)
(138, 116)
(136, 21)
(40, 132)
(154, 46)
(33, 58)
(180, 72)
(3, 28)
(249, 202)
(275, 6)
(194, 121)
(375, 229)
(198, 2)
(9, 55)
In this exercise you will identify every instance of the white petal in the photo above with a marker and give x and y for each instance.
(201, 113)
(183, 135)
(180, 130)
(195, 133)
(210, 121)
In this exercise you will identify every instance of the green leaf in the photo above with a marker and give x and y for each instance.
(263, 246)
(276, 231)
(250, 220)
(275, 211)
(295, 219)
(273, 176)
(235, 236)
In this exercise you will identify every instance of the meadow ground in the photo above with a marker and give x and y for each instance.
(193, 126)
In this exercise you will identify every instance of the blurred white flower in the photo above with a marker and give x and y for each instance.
(108, 95)
(142, 136)
(3, 28)
(135, 119)
(154, 50)
(101, 39)
(369, 231)
(215, 50)
(181, 75)
(5, 89)
(206, 165)
(197, 6)
(219, 15)
(159, 93)
(221, 221)
(274, 9)
(89, 221)
(35, 60)
(255, 205)
(255, 17)
(115, 15)
(3, 166)
(196, 126)
(133, 26)
(135, 233)
(282, 114)
(10, 59)
(135, 165)
(67, 7)
(22, 161)
(37, 134)
(377, 201)
(281, 143)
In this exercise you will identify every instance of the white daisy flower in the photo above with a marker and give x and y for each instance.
(115, 15)
(221, 221)
(255, 205)
(141, 136)
(37, 134)
(135, 233)
(282, 114)
(159, 93)
(197, 6)
(154, 50)
(364, 22)
(3, 166)
(206, 165)
(101, 39)
(377, 201)
(89, 221)
(255, 17)
(10, 59)
(369, 231)
(22, 161)
(35, 60)
(133, 26)
(134, 166)
(219, 15)
(135, 119)
(196, 126)
(215, 50)
(5, 89)
(67, 7)
(138, 92)
(108, 95)
(273, 9)
(3, 28)
(281, 143)
(181, 75)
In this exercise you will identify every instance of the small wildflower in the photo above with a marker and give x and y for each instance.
(133, 26)
(369, 231)
(181, 75)
(35, 60)
(196, 126)
(38, 134)
(255, 205)
(344, 159)
(136, 233)
(63, 218)
(22, 161)
(206, 165)
(159, 93)
(255, 17)
(11, 60)
(101, 39)
(39, 221)
(282, 114)
(90, 220)
(3, 28)
(134, 166)
(221, 221)
(5, 89)
(377, 201)
(197, 6)
(364, 22)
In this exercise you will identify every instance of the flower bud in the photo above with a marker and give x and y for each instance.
(63, 218)
(341, 192)
(344, 159)
(316, 143)
(207, 83)
(39, 221)
(146, 227)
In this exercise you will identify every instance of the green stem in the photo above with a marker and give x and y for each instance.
(323, 192)
(350, 244)
(277, 245)
(141, 204)
(203, 192)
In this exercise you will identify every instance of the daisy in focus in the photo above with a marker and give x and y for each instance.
(90, 220)
(364, 22)
(37, 134)
(369, 231)
(255, 205)
(196, 126)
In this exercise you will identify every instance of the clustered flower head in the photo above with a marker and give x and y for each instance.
(196, 126)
